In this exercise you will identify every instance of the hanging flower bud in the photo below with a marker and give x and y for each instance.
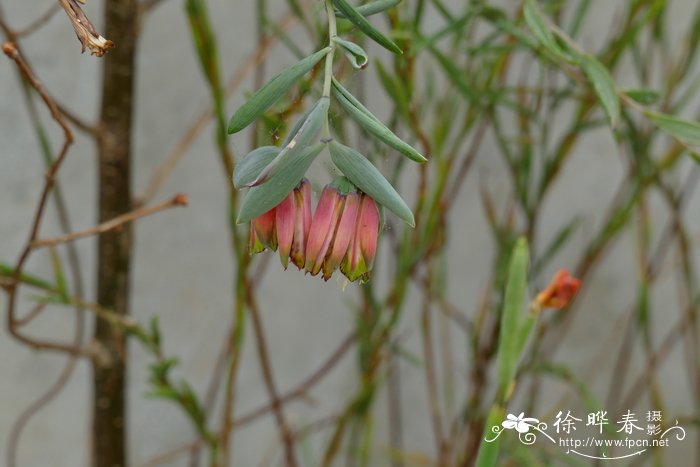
(343, 235)
(340, 230)
(262, 233)
(323, 227)
(559, 292)
(359, 259)
(286, 226)
(302, 225)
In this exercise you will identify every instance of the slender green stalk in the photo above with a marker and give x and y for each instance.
(328, 64)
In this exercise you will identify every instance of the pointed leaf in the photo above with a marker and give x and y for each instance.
(297, 125)
(367, 178)
(9, 272)
(513, 315)
(302, 139)
(372, 124)
(643, 96)
(488, 452)
(363, 25)
(686, 131)
(272, 91)
(603, 84)
(354, 53)
(372, 8)
(249, 168)
(261, 199)
(538, 26)
(163, 392)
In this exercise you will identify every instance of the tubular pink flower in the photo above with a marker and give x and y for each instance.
(359, 259)
(343, 231)
(343, 234)
(284, 224)
(322, 229)
(262, 232)
(302, 224)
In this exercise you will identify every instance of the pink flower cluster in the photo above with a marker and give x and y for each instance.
(343, 232)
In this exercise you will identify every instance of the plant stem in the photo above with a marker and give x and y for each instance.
(332, 33)
(114, 248)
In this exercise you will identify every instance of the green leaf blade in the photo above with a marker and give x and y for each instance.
(535, 21)
(686, 131)
(372, 8)
(260, 199)
(249, 168)
(363, 174)
(510, 340)
(307, 133)
(372, 124)
(264, 97)
(354, 53)
(604, 86)
(363, 25)
(644, 96)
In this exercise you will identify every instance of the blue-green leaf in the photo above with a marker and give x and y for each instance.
(249, 168)
(372, 8)
(353, 52)
(372, 124)
(307, 133)
(363, 25)
(264, 97)
(363, 174)
(260, 199)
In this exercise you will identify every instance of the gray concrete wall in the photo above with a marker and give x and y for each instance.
(182, 271)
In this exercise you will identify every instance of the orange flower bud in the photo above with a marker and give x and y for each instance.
(560, 291)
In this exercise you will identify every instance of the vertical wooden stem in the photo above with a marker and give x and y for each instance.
(114, 247)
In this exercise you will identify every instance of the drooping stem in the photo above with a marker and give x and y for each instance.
(328, 66)
(332, 33)
(114, 247)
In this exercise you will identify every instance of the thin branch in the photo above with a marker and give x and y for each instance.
(173, 453)
(74, 265)
(12, 51)
(36, 311)
(81, 125)
(37, 405)
(302, 388)
(177, 200)
(286, 433)
(39, 22)
(431, 376)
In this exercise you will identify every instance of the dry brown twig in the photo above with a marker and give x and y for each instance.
(13, 323)
(11, 50)
(301, 390)
(84, 29)
(285, 432)
(40, 21)
(177, 200)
